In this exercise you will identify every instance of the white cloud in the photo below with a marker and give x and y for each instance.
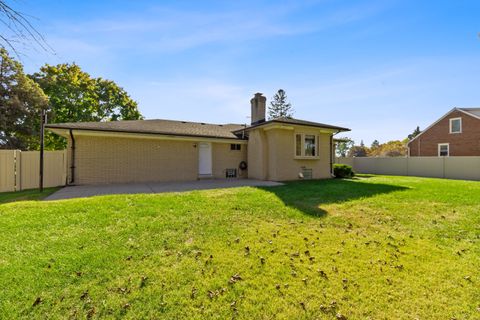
(200, 99)
(162, 29)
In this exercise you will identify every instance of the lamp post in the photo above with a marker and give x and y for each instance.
(42, 138)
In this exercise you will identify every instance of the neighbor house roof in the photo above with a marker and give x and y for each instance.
(473, 111)
(162, 127)
(297, 122)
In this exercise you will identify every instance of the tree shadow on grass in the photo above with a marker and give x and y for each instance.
(309, 196)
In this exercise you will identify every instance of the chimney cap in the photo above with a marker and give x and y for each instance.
(258, 94)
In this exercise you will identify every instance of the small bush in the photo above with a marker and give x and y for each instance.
(343, 171)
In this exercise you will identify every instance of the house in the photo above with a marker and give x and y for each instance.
(455, 134)
(166, 150)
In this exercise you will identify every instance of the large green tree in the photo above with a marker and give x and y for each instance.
(375, 144)
(343, 145)
(394, 148)
(21, 102)
(279, 106)
(358, 151)
(75, 96)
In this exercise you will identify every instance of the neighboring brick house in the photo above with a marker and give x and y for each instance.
(455, 134)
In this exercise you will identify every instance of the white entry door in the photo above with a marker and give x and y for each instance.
(205, 159)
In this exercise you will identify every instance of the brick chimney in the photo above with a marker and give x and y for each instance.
(258, 103)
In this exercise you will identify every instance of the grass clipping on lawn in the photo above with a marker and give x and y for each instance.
(373, 247)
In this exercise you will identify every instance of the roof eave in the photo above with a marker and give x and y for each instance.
(57, 127)
(338, 129)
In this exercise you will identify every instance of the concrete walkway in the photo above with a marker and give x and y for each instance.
(155, 187)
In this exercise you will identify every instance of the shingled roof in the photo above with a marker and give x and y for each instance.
(298, 122)
(163, 127)
(182, 128)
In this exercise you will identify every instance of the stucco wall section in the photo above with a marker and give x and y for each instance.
(466, 143)
(224, 158)
(257, 155)
(282, 164)
(271, 155)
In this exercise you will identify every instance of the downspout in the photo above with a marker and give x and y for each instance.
(72, 162)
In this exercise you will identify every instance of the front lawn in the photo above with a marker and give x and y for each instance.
(375, 247)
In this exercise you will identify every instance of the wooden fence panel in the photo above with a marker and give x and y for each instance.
(29, 170)
(21, 170)
(54, 172)
(55, 168)
(7, 170)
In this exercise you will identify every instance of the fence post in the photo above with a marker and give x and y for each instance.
(443, 167)
(408, 160)
(17, 169)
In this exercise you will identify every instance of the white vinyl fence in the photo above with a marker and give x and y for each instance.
(20, 170)
(467, 168)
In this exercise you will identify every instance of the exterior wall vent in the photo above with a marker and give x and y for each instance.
(307, 173)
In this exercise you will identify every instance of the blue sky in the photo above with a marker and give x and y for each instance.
(378, 67)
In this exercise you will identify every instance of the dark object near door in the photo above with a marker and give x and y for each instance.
(231, 173)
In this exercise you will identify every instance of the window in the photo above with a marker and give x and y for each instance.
(235, 146)
(306, 145)
(443, 150)
(310, 146)
(298, 145)
(456, 125)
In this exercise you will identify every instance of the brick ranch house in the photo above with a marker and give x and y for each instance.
(455, 134)
(166, 150)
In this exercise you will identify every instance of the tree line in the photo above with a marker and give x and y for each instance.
(64, 91)
(346, 147)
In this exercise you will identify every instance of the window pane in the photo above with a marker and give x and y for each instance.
(456, 125)
(310, 146)
(444, 150)
(298, 145)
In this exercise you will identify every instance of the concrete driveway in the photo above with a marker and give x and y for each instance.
(155, 187)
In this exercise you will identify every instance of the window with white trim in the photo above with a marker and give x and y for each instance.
(443, 149)
(306, 145)
(456, 125)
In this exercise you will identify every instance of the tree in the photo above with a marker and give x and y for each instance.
(279, 107)
(415, 133)
(21, 102)
(394, 148)
(18, 31)
(375, 144)
(343, 145)
(77, 97)
(358, 151)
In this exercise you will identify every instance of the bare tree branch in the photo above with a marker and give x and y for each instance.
(18, 30)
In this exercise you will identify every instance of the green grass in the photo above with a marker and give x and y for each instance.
(33, 194)
(375, 247)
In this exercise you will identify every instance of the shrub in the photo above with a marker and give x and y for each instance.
(343, 171)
